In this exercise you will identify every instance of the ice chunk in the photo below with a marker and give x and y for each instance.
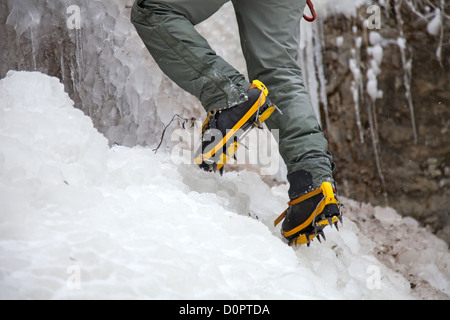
(435, 25)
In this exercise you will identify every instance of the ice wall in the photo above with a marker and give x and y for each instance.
(113, 79)
(101, 61)
(104, 64)
(105, 67)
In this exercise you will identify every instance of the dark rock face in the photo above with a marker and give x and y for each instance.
(399, 153)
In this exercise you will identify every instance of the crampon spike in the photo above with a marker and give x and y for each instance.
(323, 235)
(318, 238)
(330, 222)
(293, 242)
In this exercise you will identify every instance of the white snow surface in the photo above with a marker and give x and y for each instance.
(82, 220)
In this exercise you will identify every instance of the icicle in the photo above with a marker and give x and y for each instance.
(375, 145)
(61, 61)
(34, 47)
(318, 45)
(373, 125)
(373, 93)
(312, 43)
(309, 67)
(77, 71)
(407, 67)
(355, 90)
(441, 36)
(357, 83)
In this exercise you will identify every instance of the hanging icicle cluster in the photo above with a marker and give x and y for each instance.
(365, 62)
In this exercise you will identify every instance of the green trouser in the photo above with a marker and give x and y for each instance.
(270, 37)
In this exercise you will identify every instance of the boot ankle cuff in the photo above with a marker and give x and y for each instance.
(301, 182)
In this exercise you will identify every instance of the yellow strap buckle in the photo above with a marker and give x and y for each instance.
(258, 84)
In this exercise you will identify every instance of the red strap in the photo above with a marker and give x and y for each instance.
(313, 12)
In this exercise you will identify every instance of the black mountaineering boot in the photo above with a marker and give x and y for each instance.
(310, 211)
(223, 130)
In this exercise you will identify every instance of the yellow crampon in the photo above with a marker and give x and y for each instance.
(242, 127)
(315, 220)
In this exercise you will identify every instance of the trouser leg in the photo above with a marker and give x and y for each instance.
(270, 37)
(167, 29)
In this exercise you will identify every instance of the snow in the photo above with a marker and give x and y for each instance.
(81, 219)
(376, 52)
(357, 86)
(435, 25)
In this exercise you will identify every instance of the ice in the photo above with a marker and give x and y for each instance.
(26, 19)
(318, 45)
(311, 62)
(116, 82)
(407, 67)
(357, 84)
(128, 105)
(375, 38)
(25, 15)
(311, 46)
(81, 219)
(435, 25)
(308, 64)
(376, 52)
(95, 63)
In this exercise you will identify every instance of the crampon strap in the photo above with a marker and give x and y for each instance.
(313, 12)
(328, 198)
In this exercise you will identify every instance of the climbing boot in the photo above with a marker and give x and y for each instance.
(223, 130)
(308, 214)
